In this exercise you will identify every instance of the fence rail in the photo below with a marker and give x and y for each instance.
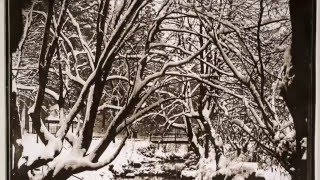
(169, 138)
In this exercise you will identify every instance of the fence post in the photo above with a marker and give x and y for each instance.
(175, 135)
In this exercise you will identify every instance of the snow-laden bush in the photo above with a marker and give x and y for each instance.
(147, 151)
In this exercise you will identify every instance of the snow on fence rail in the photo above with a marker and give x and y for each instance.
(169, 138)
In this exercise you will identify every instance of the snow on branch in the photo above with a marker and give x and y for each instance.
(102, 163)
(83, 42)
(109, 106)
(228, 60)
(197, 77)
(141, 112)
(33, 88)
(174, 64)
(242, 125)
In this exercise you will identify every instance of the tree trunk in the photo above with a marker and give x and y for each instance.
(15, 29)
(298, 93)
(103, 119)
(15, 134)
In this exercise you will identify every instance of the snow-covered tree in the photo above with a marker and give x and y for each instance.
(219, 70)
(121, 54)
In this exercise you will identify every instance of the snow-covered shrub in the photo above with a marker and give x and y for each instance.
(147, 151)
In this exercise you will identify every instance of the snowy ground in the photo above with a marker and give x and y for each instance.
(131, 155)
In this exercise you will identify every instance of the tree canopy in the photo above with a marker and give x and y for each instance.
(219, 70)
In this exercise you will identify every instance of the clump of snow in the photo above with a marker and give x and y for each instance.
(223, 162)
(52, 146)
(274, 172)
(31, 149)
(238, 177)
(244, 167)
(147, 151)
(189, 173)
(170, 152)
(206, 168)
